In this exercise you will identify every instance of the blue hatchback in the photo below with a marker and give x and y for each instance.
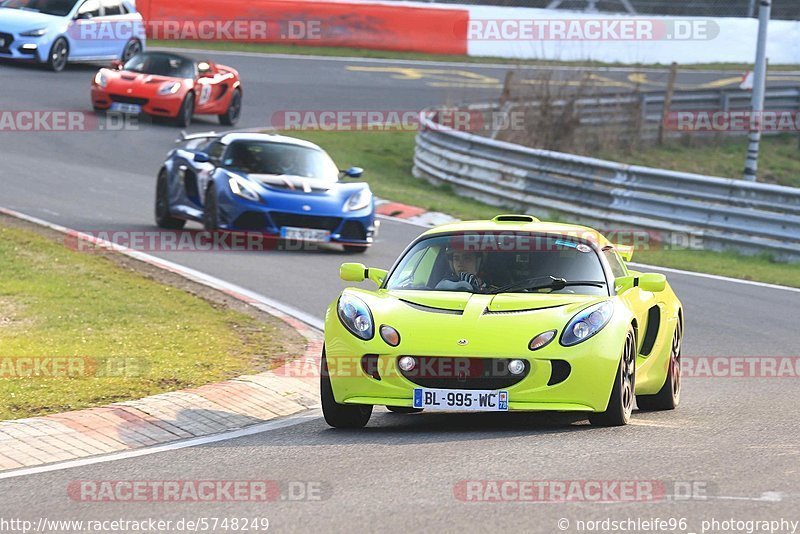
(269, 184)
(55, 32)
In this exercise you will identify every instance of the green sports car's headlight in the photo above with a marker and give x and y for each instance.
(356, 317)
(587, 323)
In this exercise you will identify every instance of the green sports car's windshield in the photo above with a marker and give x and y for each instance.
(501, 263)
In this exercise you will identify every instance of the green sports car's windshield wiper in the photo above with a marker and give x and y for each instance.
(547, 282)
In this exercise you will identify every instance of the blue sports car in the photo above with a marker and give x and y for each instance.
(265, 183)
(54, 32)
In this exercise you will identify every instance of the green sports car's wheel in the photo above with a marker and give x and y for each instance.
(340, 415)
(620, 404)
(669, 397)
(403, 409)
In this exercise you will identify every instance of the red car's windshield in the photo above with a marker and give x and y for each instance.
(161, 64)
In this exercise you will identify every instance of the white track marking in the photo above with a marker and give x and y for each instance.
(463, 64)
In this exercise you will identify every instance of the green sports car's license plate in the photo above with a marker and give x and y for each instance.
(461, 400)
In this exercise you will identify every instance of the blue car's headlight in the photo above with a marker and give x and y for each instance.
(356, 317)
(359, 200)
(242, 188)
(34, 33)
(587, 323)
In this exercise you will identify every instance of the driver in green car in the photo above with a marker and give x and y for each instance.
(465, 271)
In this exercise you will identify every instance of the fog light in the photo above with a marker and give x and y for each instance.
(407, 363)
(390, 335)
(542, 340)
(516, 367)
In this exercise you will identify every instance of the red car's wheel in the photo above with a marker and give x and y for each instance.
(231, 116)
(186, 112)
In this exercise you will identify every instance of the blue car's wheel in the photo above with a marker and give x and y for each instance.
(59, 55)
(211, 211)
(620, 404)
(340, 415)
(164, 218)
(132, 48)
(355, 249)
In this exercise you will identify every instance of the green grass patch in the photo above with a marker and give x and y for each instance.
(778, 161)
(387, 159)
(333, 51)
(125, 336)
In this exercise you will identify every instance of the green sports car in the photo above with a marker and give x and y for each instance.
(508, 314)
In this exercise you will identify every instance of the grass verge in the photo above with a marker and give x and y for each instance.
(302, 50)
(778, 161)
(387, 158)
(118, 334)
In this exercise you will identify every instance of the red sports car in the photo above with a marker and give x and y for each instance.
(169, 85)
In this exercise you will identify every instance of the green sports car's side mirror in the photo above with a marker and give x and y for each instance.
(653, 282)
(357, 272)
(353, 272)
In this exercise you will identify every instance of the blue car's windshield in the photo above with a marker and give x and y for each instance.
(280, 159)
(506, 262)
(161, 64)
(58, 8)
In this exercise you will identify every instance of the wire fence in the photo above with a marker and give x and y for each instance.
(781, 9)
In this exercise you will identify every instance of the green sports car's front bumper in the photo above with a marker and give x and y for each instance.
(578, 378)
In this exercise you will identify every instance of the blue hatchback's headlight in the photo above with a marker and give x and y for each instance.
(587, 323)
(356, 317)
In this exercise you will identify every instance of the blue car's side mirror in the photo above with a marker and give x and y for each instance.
(201, 157)
(353, 172)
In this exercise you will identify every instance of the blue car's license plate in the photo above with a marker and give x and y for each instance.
(471, 400)
(305, 234)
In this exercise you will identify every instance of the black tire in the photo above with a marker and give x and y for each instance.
(403, 409)
(340, 415)
(669, 397)
(355, 249)
(164, 218)
(620, 404)
(132, 48)
(186, 112)
(211, 210)
(59, 55)
(231, 116)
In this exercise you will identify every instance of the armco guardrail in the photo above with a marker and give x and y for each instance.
(640, 114)
(719, 213)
